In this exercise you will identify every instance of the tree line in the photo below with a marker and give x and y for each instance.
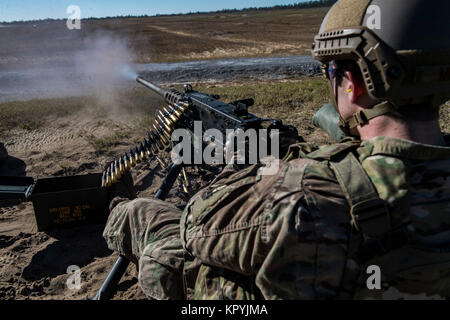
(300, 5)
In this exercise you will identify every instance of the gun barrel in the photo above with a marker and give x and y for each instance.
(152, 86)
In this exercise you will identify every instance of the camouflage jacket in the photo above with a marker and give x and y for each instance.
(289, 235)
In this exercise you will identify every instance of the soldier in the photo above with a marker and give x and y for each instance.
(365, 218)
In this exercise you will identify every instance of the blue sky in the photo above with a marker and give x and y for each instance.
(11, 10)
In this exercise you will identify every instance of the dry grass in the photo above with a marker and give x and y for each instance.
(172, 38)
(295, 102)
(34, 114)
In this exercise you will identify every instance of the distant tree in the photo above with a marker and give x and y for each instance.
(300, 5)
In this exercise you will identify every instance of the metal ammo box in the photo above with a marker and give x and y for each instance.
(61, 202)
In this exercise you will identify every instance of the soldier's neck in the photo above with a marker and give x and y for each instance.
(426, 132)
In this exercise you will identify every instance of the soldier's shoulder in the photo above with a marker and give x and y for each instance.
(321, 153)
(382, 147)
(330, 152)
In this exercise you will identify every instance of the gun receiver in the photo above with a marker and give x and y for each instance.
(182, 110)
(208, 108)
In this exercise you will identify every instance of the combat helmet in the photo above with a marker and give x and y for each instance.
(401, 48)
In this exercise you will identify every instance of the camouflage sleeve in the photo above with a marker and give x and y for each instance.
(287, 231)
(250, 224)
(147, 232)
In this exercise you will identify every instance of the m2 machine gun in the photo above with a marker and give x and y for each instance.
(182, 110)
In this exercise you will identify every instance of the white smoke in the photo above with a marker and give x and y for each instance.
(95, 68)
(99, 66)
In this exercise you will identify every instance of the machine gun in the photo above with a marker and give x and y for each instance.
(183, 109)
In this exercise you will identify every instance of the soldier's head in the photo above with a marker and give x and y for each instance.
(385, 57)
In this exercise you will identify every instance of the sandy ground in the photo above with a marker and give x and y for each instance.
(33, 264)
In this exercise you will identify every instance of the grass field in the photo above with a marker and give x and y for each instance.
(295, 102)
(169, 38)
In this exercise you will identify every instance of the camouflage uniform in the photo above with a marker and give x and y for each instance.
(290, 236)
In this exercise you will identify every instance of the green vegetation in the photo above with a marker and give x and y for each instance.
(295, 102)
(30, 126)
(106, 144)
(35, 114)
(28, 115)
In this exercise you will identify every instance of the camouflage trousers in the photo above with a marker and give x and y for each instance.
(147, 231)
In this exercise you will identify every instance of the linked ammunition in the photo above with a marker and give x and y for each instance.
(126, 161)
(169, 122)
(159, 136)
(121, 165)
(157, 140)
(132, 159)
(142, 152)
(113, 173)
(117, 170)
(104, 179)
(171, 115)
(152, 144)
(137, 155)
(164, 124)
(174, 110)
(108, 177)
(148, 148)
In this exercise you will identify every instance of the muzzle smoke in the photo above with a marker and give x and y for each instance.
(97, 67)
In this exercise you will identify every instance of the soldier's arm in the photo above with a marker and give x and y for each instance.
(271, 228)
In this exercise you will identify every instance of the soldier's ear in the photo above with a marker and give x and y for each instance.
(355, 86)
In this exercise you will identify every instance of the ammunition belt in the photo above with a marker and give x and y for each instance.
(159, 137)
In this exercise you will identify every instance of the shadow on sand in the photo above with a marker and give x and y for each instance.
(78, 246)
